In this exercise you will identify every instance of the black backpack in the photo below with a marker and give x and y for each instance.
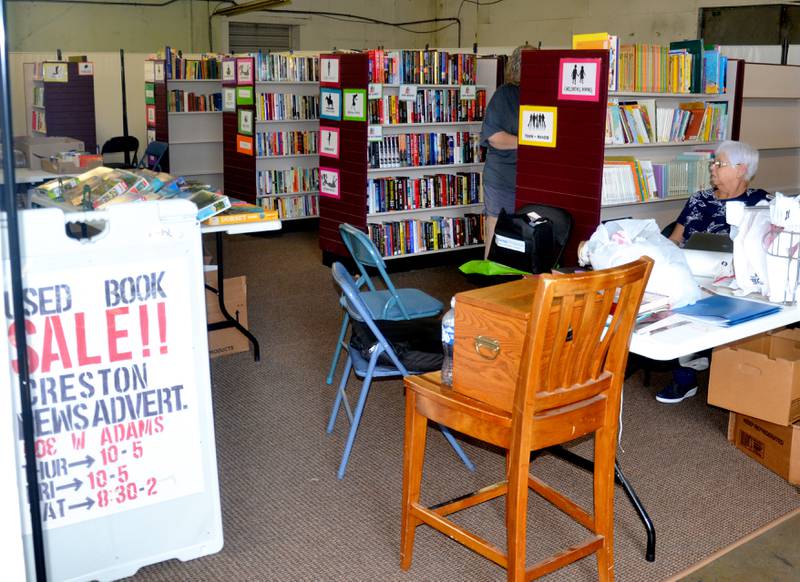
(417, 342)
(525, 244)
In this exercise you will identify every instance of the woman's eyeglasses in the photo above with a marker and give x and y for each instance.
(717, 164)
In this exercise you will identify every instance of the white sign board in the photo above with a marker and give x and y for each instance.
(120, 389)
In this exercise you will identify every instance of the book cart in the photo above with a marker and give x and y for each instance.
(183, 101)
(271, 123)
(399, 150)
(59, 99)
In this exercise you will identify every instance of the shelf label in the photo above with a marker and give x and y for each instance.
(55, 72)
(86, 69)
(329, 182)
(329, 141)
(375, 91)
(374, 133)
(468, 92)
(537, 125)
(408, 92)
(158, 69)
(579, 79)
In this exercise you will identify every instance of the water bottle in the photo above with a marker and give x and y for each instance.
(448, 339)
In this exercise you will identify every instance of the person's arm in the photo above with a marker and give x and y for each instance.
(677, 234)
(503, 141)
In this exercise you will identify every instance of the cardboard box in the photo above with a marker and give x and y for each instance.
(774, 446)
(223, 342)
(37, 148)
(759, 377)
(59, 166)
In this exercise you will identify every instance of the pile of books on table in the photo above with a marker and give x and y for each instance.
(103, 186)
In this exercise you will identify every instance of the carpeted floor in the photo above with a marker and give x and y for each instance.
(287, 518)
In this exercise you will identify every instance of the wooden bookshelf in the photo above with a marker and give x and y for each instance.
(281, 172)
(66, 108)
(570, 174)
(380, 192)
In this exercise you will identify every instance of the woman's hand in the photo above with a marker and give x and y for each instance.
(677, 234)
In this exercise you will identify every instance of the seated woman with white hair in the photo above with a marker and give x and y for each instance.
(734, 165)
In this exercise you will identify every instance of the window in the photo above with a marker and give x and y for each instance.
(246, 37)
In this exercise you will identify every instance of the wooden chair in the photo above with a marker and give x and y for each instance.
(569, 385)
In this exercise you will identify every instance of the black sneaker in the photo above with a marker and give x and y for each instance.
(675, 393)
(683, 386)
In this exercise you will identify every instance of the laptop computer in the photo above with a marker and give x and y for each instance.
(707, 241)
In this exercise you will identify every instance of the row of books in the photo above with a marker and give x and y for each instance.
(681, 67)
(424, 149)
(429, 106)
(293, 206)
(38, 121)
(285, 67)
(103, 186)
(177, 67)
(286, 143)
(278, 182)
(182, 101)
(626, 179)
(277, 106)
(643, 121)
(38, 96)
(404, 193)
(430, 67)
(405, 237)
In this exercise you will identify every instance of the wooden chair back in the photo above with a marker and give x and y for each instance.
(576, 346)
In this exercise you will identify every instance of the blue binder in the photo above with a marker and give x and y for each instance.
(726, 311)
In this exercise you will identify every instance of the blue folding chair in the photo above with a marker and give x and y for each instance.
(354, 304)
(390, 303)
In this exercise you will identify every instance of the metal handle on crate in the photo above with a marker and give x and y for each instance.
(487, 347)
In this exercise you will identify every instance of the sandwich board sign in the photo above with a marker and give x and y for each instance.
(120, 389)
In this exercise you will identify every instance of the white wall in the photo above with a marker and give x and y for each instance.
(553, 22)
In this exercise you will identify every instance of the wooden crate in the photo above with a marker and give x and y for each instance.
(489, 333)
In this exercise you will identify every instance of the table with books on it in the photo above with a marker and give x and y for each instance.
(217, 213)
(718, 318)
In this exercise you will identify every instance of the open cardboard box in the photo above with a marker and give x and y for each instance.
(759, 377)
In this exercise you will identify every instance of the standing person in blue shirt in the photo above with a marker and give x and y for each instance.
(499, 136)
(734, 165)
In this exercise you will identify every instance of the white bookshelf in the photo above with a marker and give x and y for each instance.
(303, 204)
(195, 137)
(666, 210)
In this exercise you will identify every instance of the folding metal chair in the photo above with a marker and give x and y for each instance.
(390, 303)
(353, 303)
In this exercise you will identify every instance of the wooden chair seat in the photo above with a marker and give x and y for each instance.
(566, 389)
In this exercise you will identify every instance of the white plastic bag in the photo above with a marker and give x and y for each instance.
(749, 255)
(622, 241)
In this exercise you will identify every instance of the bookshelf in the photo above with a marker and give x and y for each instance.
(59, 98)
(274, 163)
(771, 123)
(683, 175)
(566, 172)
(183, 98)
(407, 168)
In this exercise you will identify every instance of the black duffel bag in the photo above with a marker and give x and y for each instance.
(524, 243)
(417, 342)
